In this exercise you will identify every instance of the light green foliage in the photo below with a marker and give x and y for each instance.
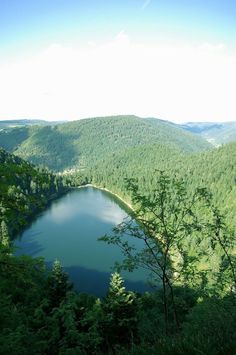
(214, 170)
(179, 233)
(223, 244)
(3, 231)
(117, 294)
(120, 313)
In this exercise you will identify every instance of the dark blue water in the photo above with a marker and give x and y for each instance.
(68, 230)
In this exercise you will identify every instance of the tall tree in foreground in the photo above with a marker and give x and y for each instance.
(58, 284)
(173, 228)
(120, 313)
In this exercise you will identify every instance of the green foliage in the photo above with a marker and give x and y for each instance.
(40, 313)
(209, 327)
(215, 170)
(179, 235)
(120, 313)
(188, 235)
(81, 144)
(24, 191)
(121, 323)
(58, 284)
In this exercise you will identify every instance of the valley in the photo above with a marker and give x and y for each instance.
(82, 215)
(182, 191)
(117, 177)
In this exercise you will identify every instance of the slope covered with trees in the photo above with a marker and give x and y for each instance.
(24, 191)
(214, 169)
(182, 317)
(185, 219)
(82, 143)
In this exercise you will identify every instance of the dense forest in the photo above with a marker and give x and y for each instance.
(214, 169)
(193, 312)
(80, 144)
(183, 194)
(24, 191)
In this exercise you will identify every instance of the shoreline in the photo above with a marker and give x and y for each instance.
(112, 193)
(14, 233)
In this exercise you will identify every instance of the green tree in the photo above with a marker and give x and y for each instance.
(58, 284)
(222, 237)
(5, 245)
(168, 222)
(120, 313)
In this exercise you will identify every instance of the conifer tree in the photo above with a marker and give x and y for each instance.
(4, 236)
(120, 309)
(58, 284)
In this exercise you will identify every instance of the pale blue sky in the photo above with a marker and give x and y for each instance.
(187, 37)
(26, 23)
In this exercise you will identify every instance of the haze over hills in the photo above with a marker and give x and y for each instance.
(26, 122)
(214, 132)
(84, 142)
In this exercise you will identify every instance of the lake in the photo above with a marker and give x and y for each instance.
(69, 230)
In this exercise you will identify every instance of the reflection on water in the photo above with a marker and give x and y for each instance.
(69, 230)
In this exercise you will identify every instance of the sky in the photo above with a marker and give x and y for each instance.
(73, 59)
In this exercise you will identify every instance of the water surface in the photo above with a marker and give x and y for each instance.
(68, 230)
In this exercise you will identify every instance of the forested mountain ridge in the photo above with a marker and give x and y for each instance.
(24, 191)
(82, 143)
(52, 318)
(106, 150)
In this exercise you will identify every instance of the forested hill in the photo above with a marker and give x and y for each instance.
(214, 169)
(40, 313)
(83, 143)
(24, 191)
(191, 244)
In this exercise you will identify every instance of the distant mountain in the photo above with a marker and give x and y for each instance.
(83, 143)
(216, 133)
(25, 122)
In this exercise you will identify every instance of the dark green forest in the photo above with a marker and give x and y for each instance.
(183, 193)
